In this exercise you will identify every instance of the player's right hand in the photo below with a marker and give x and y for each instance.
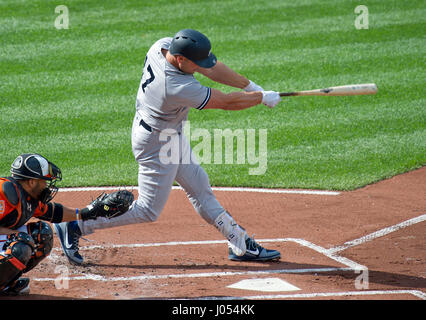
(270, 98)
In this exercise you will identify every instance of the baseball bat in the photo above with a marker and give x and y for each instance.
(347, 90)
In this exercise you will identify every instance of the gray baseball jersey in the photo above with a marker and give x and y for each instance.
(164, 99)
(165, 93)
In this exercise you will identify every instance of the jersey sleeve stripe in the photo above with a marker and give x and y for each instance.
(206, 100)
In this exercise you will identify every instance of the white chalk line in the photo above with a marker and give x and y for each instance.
(96, 277)
(350, 265)
(416, 293)
(378, 234)
(230, 189)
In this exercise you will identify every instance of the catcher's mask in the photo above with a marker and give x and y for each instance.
(35, 166)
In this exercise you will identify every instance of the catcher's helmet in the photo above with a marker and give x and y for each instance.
(194, 46)
(35, 166)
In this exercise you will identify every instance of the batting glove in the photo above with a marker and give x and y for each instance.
(252, 87)
(270, 98)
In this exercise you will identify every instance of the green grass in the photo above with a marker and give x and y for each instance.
(70, 94)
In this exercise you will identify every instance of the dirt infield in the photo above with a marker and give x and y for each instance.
(365, 244)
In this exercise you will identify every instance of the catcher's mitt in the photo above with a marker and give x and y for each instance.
(108, 205)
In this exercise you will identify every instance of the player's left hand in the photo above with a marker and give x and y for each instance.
(252, 87)
(108, 205)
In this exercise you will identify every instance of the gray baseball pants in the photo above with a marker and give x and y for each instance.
(156, 177)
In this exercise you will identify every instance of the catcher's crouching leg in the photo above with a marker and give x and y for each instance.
(17, 253)
(42, 234)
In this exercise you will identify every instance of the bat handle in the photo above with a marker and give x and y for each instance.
(287, 94)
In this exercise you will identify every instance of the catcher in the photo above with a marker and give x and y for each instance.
(26, 194)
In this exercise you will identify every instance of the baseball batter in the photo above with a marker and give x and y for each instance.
(168, 91)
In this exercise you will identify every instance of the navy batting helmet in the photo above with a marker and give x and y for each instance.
(194, 46)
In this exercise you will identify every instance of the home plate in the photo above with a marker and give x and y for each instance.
(264, 284)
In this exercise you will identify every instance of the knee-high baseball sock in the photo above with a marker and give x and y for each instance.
(235, 234)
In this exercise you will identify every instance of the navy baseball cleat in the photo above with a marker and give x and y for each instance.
(69, 234)
(255, 252)
(19, 287)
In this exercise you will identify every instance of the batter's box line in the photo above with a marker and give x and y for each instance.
(378, 234)
(314, 295)
(349, 264)
(416, 293)
(327, 252)
(96, 277)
